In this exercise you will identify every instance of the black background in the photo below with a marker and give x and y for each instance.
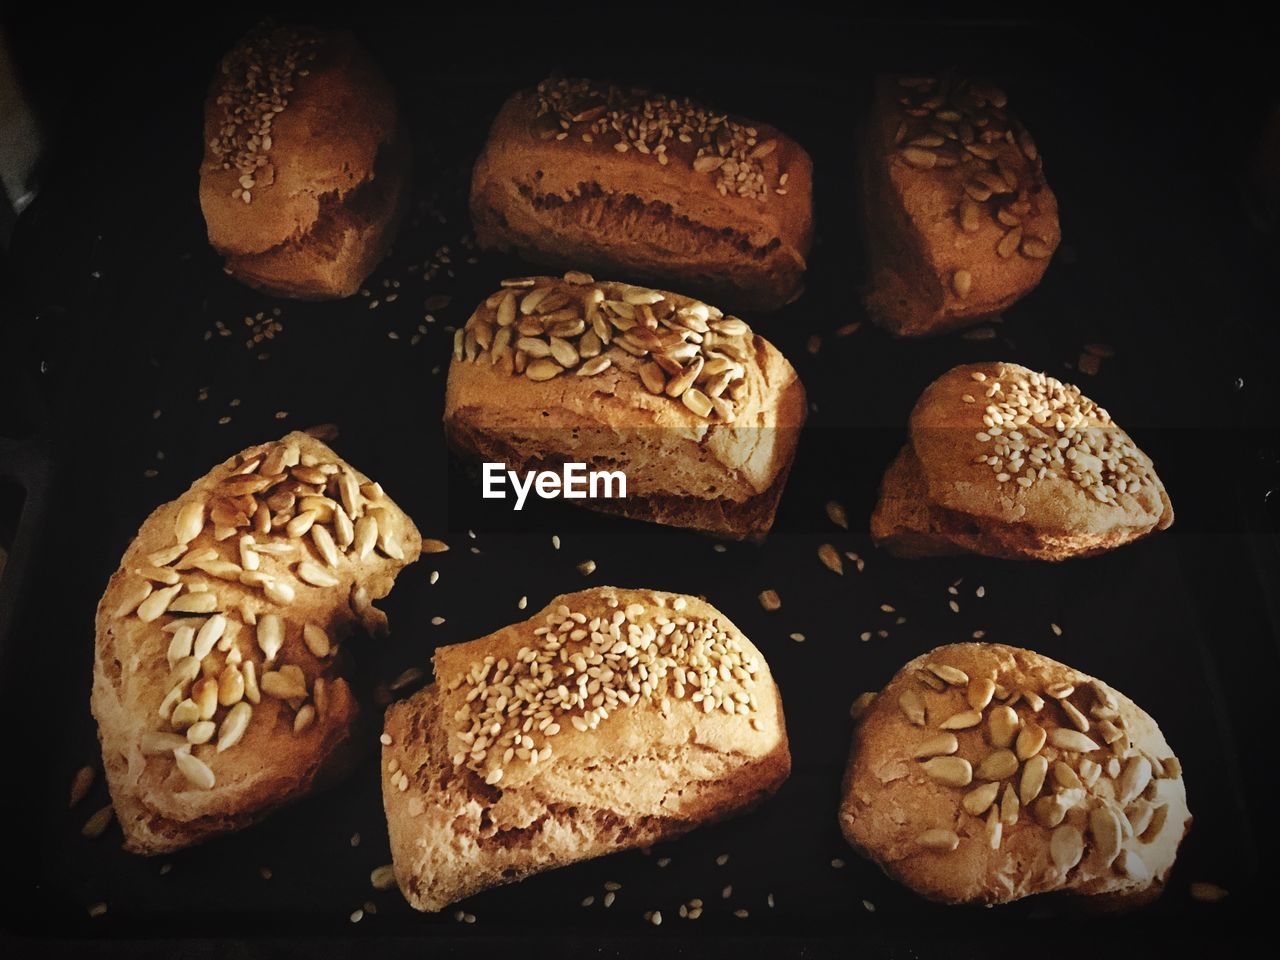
(1146, 127)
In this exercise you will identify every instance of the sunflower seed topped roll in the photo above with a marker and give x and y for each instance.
(220, 684)
(699, 412)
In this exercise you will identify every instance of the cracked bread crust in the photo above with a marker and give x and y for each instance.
(639, 777)
(329, 192)
(570, 203)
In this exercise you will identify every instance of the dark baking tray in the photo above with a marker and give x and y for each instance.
(113, 305)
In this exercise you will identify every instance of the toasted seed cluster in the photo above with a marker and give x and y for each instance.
(540, 327)
(658, 126)
(579, 668)
(961, 129)
(1037, 427)
(1061, 754)
(280, 521)
(257, 77)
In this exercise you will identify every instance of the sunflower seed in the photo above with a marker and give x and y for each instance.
(317, 641)
(189, 522)
(1036, 249)
(278, 592)
(594, 366)
(1009, 805)
(942, 744)
(997, 765)
(1132, 865)
(938, 840)
(1048, 812)
(543, 369)
(230, 685)
(920, 158)
(195, 770)
(1008, 244)
(1133, 779)
(366, 535)
(310, 572)
(770, 600)
(283, 685)
(1207, 892)
(1066, 847)
(1073, 741)
(155, 744)
(950, 771)
(199, 602)
(1002, 725)
(837, 514)
(251, 691)
(270, 636)
(1104, 824)
(304, 718)
(383, 878)
(978, 800)
(1031, 739)
(962, 283)
(1033, 774)
(963, 720)
(201, 732)
(97, 824)
(830, 558)
(912, 707)
(861, 704)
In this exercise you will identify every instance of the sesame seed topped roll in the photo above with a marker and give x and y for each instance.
(635, 183)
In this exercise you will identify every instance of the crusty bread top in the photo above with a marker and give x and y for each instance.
(998, 440)
(221, 631)
(567, 132)
(640, 359)
(605, 673)
(970, 180)
(294, 118)
(925, 797)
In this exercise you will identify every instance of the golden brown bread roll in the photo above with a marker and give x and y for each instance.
(984, 773)
(610, 720)
(1007, 462)
(305, 163)
(220, 676)
(633, 183)
(702, 415)
(959, 220)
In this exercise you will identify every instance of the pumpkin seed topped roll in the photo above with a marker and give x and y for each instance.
(700, 413)
(984, 773)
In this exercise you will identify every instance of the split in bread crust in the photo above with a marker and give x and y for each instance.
(959, 220)
(582, 174)
(1007, 462)
(306, 162)
(702, 415)
(220, 685)
(610, 720)
(985, 773)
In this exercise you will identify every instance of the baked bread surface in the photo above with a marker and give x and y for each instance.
(302, 200)
(253, 579)
(640, 715)
(960, 221)
(1007, 462)
(1105, 821)
(582, 174)
(701, 414)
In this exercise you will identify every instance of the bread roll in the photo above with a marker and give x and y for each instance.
(960, 222)
(984, 773)
(636, 184)
(702, 415)
(624, 717)
(220, 675)
(305, 163)
(1007, 462)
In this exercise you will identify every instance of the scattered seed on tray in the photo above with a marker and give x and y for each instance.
(830, 558)
(770, 600)
(587, 567)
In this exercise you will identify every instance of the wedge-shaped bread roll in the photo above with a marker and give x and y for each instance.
(610, 720)
(639, 184)
(220, 684)
(960, 222)
(306, 162)
(1007, 462)
(701, 414)
(984, 773)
